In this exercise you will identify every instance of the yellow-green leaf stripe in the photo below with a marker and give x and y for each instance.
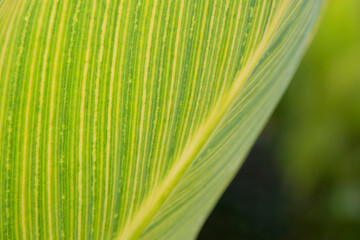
(126, 119)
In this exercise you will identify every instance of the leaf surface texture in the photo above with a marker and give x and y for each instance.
(126, 119)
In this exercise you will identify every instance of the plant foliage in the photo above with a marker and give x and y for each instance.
(126, 119)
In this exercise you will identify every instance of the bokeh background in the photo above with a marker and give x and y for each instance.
(302, 177)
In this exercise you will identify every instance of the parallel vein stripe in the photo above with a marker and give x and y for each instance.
(82, 110)
(4, 50)
(96, 107)
(172, 83)
(51, 120)
(39, 121)
(27, 115)
(108, 140)
(110, 102)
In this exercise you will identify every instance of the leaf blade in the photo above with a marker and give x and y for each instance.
(104, 103)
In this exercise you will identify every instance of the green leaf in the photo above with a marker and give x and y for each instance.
(126, 119)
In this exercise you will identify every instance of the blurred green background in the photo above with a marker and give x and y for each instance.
(302, 178)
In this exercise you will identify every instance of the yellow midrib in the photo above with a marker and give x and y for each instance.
(149, 208)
